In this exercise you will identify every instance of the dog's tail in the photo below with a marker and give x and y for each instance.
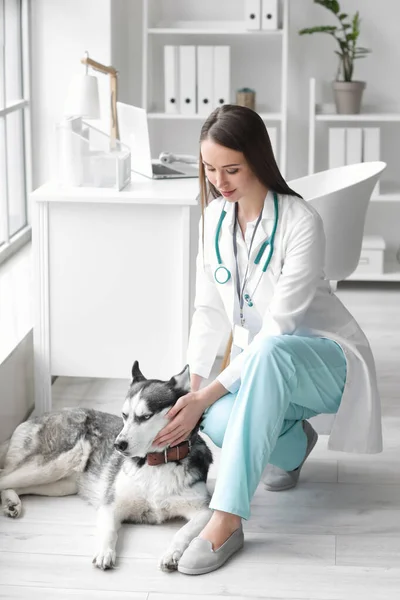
(3, 451)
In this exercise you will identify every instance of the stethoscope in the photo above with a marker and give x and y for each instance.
(222, 274)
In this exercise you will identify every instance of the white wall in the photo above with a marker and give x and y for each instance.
(16, 384)
(16, 343)
(126, 48)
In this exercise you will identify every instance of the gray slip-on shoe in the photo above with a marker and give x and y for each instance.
(199, 557)
(276, 479)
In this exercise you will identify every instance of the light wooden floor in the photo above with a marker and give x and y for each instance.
(335, 537)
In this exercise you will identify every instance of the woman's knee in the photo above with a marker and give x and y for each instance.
(272, 345)
(216, 417)
(272, 352)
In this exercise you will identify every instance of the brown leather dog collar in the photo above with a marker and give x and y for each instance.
(175, 453)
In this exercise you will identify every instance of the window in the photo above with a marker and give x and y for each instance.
(15, 155)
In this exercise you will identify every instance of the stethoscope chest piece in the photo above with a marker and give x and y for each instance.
(222, 274)
(248, 300)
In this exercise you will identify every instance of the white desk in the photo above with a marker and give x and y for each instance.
(112, 281)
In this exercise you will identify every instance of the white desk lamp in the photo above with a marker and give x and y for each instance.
(83, 95)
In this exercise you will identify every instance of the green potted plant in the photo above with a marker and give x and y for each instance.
(347, 93)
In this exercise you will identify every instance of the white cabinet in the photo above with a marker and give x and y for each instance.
(321, 118)
(258, 60)
(112, 275)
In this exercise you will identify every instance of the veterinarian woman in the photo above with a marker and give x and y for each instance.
(296, 351)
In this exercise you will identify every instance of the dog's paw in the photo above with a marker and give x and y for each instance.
(12, 505)
(169, 562)
(105, 559)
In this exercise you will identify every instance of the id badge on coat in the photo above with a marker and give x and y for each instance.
(240, 337)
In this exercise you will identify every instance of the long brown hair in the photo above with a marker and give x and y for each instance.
(242, 129)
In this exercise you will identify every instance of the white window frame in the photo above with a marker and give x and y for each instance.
(13, 243)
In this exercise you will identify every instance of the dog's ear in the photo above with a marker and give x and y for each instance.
(182, 380)
(137, 375)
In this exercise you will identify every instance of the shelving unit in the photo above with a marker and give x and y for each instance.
(196, 32)
(389, 191)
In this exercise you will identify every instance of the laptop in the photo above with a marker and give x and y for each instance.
(134, 133)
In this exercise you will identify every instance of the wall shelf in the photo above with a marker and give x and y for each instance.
(391, 273)
(208, 28)
(362, 117)
(198, 31)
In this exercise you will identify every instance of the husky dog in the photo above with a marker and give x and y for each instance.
(112, 463)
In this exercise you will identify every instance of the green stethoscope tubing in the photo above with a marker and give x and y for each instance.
(222, 273)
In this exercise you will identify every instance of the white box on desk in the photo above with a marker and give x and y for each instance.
(88, 157)
(372, 256)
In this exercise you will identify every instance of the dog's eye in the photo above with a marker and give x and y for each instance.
(146, 417)
(124, 416)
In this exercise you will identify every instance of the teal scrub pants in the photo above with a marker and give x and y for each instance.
(284, 380)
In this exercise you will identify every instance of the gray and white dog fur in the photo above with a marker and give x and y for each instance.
(101, 457)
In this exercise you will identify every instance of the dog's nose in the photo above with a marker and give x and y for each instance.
(121, 445)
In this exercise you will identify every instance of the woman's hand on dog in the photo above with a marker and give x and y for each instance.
(184, 416)
(186, 413)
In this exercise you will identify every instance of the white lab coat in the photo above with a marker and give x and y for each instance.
(292, 298)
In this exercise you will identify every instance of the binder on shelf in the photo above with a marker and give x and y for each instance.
(269, 14)
(337, 147)
(372, 149)
(272, 132)
(187, 79)
(205, 96)
(252, 14)
(353, 145)
(222, 76)
(171, 83)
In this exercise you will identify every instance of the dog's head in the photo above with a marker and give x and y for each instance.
(144, 410)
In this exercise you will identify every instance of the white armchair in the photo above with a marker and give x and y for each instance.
(341, 196)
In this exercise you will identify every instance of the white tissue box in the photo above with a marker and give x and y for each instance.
(372, 255)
